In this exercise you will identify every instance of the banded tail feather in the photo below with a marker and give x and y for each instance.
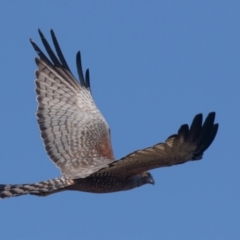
(43, 188)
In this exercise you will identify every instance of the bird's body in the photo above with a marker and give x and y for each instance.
(77, 137)
(100, 182)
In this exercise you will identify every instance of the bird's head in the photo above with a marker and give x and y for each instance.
(146, 177)
(139, 180)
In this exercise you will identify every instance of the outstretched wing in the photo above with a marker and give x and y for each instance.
(75, 134)
(188, 144)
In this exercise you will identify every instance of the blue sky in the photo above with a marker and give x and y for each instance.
(153, 65)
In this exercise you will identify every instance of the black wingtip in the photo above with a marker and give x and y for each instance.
(39, 51)
(184, 131)
(207, 127)
(84, 82)
(196, 126)
(41, 34)
(59, 51)
(210, 117)
(79, 68)
(87, 78)
(33, 43)
(206, 135)
(59, 60)
(211, 137)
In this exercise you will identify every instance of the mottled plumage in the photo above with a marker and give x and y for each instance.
(77, 137)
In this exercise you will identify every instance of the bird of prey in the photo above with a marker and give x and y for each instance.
(77, 137)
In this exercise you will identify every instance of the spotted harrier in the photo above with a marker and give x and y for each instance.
(77, 137)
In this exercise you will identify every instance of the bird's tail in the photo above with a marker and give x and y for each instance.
(40, 189)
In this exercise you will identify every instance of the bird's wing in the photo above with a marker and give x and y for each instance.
(75, 134)
(188, 144)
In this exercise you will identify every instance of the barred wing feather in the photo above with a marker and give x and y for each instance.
(75, 134)
(187, 145)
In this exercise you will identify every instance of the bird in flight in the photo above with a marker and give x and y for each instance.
(77, 137)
